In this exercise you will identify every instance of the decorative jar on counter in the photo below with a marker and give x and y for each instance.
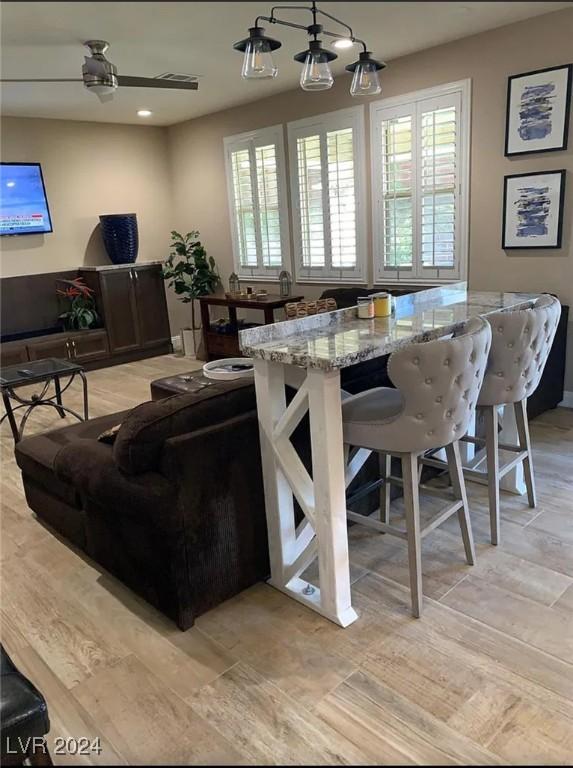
(365, 307)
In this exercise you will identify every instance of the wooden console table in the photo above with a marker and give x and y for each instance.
(227, 344)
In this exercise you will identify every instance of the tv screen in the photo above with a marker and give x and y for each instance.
(23, 204)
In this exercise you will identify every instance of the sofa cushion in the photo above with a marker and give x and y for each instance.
(139, 442)
(36, 454)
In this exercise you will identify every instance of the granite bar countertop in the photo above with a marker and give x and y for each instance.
(338, 339)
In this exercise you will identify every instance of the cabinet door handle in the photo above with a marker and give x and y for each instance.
(136, 275)
(68, 350)
(74, 348)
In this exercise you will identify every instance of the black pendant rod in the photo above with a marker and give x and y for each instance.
(314, 10)
(292, 25)
(272, 20)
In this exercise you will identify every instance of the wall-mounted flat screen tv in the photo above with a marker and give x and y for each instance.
(23, 203)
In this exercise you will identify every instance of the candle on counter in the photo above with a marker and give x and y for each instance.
(365, 307)
(382, 304)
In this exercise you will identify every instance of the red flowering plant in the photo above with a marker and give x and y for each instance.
(80, 313)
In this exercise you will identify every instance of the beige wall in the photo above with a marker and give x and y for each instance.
(89, 169)
(198, 173)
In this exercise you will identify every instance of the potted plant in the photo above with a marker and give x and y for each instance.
(80, 313)
(190, 272)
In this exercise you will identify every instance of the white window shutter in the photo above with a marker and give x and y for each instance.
(268, 205)
(311, 201)
(244, 208)
(439, 200)
(397, 201)
(327, 177)
(342, 198)
(420, 163)
(256, 182)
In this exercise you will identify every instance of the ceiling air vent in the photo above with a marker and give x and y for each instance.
(177, 76)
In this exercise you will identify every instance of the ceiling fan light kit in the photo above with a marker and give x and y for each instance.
(316, 74)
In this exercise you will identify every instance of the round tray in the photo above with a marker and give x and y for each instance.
(215, 369)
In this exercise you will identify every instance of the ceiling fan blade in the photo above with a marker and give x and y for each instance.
(156, 82)
(41, 80)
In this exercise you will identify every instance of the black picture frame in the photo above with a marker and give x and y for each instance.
(510, 81)
(562, 173)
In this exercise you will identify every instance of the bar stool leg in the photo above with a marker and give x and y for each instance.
(459, 489)
(385, 472)
(412, 510)
(492, 452)
(525, 444)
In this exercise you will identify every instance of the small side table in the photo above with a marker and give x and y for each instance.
(227, 344)
(36, 372)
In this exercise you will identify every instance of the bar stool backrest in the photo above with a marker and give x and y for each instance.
(520, 345)
(439, 382)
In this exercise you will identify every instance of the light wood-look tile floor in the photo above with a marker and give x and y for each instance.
(485, 677)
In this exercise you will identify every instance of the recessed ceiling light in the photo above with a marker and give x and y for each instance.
(343, 42)
(144, 112)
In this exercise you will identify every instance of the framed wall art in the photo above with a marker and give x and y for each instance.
(533, 210)
(538, 108)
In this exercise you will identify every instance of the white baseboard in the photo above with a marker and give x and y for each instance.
(567, 401)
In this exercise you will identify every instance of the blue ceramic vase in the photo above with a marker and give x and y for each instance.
(120, 237)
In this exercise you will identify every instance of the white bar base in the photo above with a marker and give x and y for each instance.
(295, 589)
(322, 498)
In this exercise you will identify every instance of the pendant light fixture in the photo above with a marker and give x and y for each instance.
(316, 74)
(258, 61)
(365, 81)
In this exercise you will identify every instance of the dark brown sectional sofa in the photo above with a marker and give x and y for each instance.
(174, 509)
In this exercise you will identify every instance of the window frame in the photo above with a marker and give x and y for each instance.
(251, 140)
(399, 106)
(351, 117)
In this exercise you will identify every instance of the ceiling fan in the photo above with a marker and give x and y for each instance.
(100, 76)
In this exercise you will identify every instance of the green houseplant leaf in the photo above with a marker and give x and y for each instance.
(188, 271)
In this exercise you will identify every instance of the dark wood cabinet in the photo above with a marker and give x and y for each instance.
(153, 320)
(81, 346)
(55, 345)
(132, 307)
(89, 345)
(119, 307)
(131, 301)
(13, 352)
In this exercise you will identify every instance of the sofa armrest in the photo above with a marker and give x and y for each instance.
(217, 471)
(89, 466)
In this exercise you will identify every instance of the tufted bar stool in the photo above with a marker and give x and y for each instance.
(438, 383)
(520, 345)
(521, 342)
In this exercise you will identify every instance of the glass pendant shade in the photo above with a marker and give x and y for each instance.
(258, 61)
(365, 81)
(316, 74)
